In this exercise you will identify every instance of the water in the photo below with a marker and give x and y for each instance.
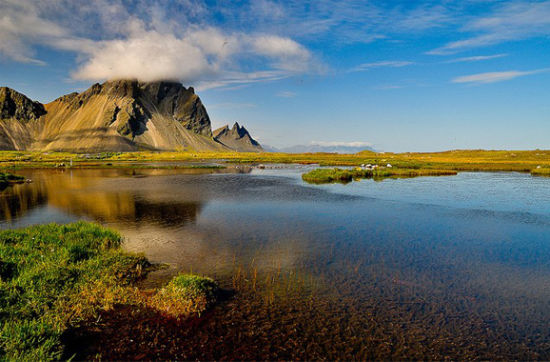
(428, 267)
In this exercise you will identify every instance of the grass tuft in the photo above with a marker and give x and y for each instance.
(186, 294)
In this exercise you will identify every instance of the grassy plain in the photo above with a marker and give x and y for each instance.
(457, 160)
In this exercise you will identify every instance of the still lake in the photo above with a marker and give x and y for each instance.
(429, 267)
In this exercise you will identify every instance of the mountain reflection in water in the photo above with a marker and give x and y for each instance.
(422, 268)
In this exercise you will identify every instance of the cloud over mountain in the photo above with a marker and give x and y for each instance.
(128, 42)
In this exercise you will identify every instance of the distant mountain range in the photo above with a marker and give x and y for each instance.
(328, 147)
(120, 115)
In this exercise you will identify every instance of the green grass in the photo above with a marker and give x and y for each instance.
(541, 172)
(328, 175)
(186, 294)
(331, 175)
(457, 160)
(52, 277)
(57, 277)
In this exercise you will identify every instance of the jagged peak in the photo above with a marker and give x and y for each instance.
(237, 137)
(219, 131)
(239, 130)
(7, 91)
(17, 105)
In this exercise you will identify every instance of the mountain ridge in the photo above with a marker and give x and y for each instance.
(236, 138)
(118, 115)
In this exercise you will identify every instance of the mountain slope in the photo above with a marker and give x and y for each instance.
(237, 139)
(19, 117)
(121, 115)
(127, 115)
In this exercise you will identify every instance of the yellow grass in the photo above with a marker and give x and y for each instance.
(458, 160)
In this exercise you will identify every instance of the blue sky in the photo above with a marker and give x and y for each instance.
(400, 75)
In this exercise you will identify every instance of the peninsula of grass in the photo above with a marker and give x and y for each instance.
(332, 175)
(55, 277)
(541, 172)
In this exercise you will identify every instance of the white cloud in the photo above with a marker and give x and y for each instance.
(477, 58)
(380, 64)
(20, 26)
(238, 79)
(289, 54)
(341, 144)
(492, 77)
(509, 21)
(207, 57)
(151, 45)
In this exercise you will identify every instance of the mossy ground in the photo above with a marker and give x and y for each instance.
(53, 278)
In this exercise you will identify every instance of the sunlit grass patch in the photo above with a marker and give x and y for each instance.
(330, 175)
(457, 160)
(404, 173)
(52, 277)
(541, 172)
(326, 175)
(185, 294)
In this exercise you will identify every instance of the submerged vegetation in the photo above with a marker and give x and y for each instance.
(54, 277)
(328, 175)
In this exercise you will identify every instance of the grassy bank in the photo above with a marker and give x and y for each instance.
(541, 172)
(329, 175)
(458, 160)
(54, 277)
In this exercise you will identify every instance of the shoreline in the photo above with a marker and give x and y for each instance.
(536, 162)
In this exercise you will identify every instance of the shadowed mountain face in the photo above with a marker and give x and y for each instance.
(237, 138)
(121, 115)
(19, 117)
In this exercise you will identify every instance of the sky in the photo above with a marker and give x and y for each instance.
(395, 75)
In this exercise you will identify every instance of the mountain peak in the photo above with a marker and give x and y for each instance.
(16, 105)
(137, 101)
(118, 115)
(236, 138)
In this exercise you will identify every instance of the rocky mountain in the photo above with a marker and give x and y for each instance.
(121, 115)
(19, 117)
(237, 138)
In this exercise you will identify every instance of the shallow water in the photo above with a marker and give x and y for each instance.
(428, 267)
